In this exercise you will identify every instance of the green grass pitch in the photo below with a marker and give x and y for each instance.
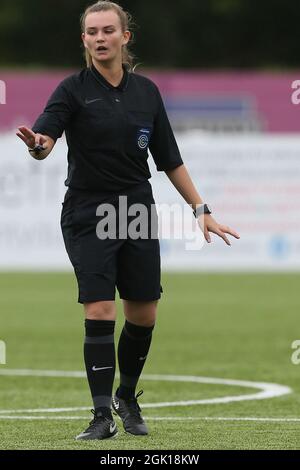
(228, 326)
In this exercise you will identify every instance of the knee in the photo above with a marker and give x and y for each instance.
(146, 322)
(102, 310)
(141, 313)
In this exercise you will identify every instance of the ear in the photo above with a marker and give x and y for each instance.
(83, 40)
(126, 37)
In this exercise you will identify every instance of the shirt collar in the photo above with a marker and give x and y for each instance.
(99, 77)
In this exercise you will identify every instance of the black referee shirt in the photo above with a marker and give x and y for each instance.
(109, 129)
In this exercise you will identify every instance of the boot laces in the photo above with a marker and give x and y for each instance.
(96, 420)
(134, 407)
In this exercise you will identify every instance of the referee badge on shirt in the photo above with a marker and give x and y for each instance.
(143, 137)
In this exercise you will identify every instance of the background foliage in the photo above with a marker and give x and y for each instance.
(169, 34)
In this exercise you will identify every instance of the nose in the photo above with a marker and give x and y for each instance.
(99, 37)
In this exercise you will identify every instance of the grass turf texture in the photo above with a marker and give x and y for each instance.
(235, 326)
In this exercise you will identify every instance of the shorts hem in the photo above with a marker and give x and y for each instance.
(139, 299)
(95, 299)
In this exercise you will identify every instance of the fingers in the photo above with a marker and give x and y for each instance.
(210, 225)
(210, 228)
(27, 132)
(224, 229)
(229, 230)
(28, 136)
(207, 236)
(21, 136)
(217, 232)
(220, 231)
(221, 234)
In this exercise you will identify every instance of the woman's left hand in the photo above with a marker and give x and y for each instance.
(210, 225)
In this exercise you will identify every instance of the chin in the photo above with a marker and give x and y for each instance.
(101, 59)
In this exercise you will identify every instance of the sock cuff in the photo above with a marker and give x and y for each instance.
(99, 327)
(137, 331)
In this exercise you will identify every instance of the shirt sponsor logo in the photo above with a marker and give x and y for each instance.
(143, 137)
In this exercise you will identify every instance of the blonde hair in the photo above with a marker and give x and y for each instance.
(126, 24)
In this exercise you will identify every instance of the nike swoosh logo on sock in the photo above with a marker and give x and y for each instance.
(94, 368)
(112, 427)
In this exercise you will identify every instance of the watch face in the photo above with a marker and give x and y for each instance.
(208, 209)
(203, 209)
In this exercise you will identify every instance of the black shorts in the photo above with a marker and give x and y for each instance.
(101, 265)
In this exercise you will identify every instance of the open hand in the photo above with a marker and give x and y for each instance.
(208, 224)
(30, 138)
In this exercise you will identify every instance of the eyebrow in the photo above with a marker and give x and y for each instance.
(95, 27)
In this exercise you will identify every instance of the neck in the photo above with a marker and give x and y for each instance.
(111, 72)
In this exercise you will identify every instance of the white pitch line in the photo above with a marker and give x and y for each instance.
(48, 410)
(266, 390)
(163, 418)
(42, 373)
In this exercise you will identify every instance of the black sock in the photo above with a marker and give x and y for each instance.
(100, 363)
(133, 348)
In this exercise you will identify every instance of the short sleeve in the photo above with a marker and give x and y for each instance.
(58, 111)
(163, 146)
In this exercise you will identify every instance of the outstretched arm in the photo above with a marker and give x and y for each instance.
(182, 181)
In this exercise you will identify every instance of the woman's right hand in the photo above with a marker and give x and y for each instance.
(30, 138)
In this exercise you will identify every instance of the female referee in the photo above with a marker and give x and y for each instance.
(111, 116)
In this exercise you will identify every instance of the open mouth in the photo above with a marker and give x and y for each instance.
(101, 49)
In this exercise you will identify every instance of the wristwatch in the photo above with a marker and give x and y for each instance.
(202, 209)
